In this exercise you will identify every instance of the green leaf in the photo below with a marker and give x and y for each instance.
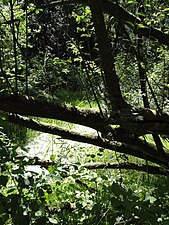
(84, 35)
(3, 218)
(66, 71)
(38, 213)
(149, 23)
(87, 11)
(53, 221)
(51, 169)
(166, 10)
(150, 198)
(3, 116)
(130, 23)
(52, 158)
(141, 14)
(140, 25)
(148, 5)
(132, 2)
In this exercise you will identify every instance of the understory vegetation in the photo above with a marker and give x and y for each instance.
(67, 190)
(88, 81)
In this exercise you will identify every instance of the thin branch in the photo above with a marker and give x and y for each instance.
(143, 84)
(14, 47)
(31, 107)
(153, 94)
(26, 53)
(100, 165)
(128, 166)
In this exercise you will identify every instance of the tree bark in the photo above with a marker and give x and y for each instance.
(122, 139)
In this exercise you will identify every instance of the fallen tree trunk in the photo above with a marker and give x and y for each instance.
(121, 139)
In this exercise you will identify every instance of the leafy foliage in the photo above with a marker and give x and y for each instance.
(71, 195)
(49, 50)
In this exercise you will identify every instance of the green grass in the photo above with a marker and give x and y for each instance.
(78, 98)
(86, 153)
(150, 140)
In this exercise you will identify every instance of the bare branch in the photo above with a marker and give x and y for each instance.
(14, 46)
(120, 141)
(41, 108)
(140, 121)
(100, 165)
(128, 166)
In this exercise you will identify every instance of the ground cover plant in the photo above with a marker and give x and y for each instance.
(112, 58)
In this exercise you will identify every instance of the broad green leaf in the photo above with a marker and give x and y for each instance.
(53, 221)
(52, 158)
